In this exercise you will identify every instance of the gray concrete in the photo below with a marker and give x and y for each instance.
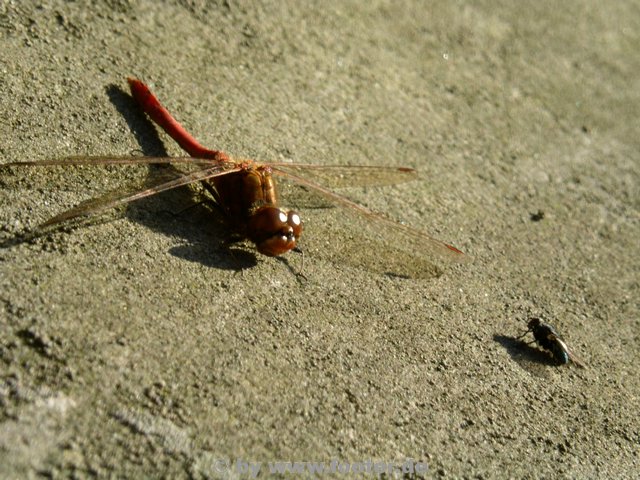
(132, 346)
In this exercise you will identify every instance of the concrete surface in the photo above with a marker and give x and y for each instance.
(135, 345)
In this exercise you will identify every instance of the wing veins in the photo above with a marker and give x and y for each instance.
(109, 160)
(114, 199)
(444, 250)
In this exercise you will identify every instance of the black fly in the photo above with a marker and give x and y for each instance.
(548, 338)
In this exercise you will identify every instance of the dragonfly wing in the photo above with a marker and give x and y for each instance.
(121, 197)
(377, 243)
(95, 161)
(341, 176)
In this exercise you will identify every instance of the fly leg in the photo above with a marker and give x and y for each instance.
(523, 335)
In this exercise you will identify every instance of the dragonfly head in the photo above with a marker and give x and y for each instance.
(273, 230)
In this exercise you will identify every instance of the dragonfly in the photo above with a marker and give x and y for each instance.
(245, 190)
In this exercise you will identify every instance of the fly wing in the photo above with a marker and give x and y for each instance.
(373, 242)
(121, 197)
(571, 355)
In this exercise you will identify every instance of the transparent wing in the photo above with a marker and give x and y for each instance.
(80, 160)
(341, 176)
(121, 197)
(374, 242)
(572, 356)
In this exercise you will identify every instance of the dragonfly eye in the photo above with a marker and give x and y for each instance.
(274, 231)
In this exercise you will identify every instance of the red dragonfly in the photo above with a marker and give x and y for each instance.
(245, 190)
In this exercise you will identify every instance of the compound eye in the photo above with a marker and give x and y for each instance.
(274, 231)
(295, 222)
